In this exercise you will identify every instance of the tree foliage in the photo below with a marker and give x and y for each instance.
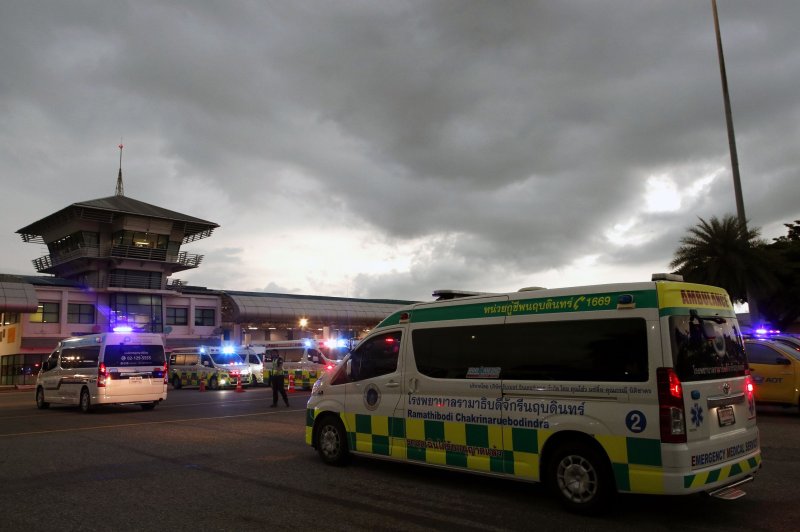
(719, 253)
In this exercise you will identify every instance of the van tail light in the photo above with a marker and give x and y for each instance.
(164, 373)
(102, 375)
(671, 411)
(749, 392)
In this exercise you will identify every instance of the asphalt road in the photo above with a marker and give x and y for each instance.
(225, 461)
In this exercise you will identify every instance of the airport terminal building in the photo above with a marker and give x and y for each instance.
(112, 261)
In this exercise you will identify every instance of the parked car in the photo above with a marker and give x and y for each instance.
(775, 368)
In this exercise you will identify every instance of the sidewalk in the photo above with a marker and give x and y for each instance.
(16, 387)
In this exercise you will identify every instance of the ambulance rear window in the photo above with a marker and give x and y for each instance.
(707, 347)
(126, 355)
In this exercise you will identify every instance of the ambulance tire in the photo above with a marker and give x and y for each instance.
(176, 382)
(41, 404)
(581, 478)
(332, 441)
(86, 401)
(253, 380)
(213, 383)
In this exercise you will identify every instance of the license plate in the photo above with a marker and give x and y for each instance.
(725, 416)
(137, 378)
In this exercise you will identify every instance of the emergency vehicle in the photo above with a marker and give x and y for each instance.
(302, 360)
(214, 367)
(634, 388)
(119, 367)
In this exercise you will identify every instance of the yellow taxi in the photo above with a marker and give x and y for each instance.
(775, 368)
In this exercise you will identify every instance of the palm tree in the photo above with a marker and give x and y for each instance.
(719, 253)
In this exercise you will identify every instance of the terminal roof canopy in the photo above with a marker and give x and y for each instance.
(265, 307)
(16, 295)
(105, 210)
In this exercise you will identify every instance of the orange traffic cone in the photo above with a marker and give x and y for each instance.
(239, 385)
(291, 383)
(202, 385)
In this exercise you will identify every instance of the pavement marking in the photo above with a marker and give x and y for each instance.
(81, 429)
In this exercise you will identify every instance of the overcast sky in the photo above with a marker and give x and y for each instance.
(384, 149)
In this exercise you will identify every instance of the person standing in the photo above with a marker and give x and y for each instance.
(277, 382)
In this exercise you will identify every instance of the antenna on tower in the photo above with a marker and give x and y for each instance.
(120, 188)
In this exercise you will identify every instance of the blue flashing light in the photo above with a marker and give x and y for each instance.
(123, 329)
(307, 342)
(228, 350)
(202, 349)
(341, 342)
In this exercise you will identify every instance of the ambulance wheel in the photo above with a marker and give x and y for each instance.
(213, 383)
(253, 380)
(581, 478)
(331, 441)
(86, 401)
(176, 382)
(41, 404)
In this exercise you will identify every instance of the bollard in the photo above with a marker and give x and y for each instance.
(239, 385)
(202, 385)
(291, 383)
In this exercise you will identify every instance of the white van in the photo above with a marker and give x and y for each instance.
(255, 361)
(215, 367)
(637, 387)
(109, 368)
(301, 359)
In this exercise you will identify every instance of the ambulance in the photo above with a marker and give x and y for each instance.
(302, 360)
(119, 367)
(636, 387)
(214, 367)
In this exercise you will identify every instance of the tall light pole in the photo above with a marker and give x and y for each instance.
(737, 185)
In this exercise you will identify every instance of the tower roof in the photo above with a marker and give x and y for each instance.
(105, 210)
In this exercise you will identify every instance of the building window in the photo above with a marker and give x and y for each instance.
(177, 316)
(140, 239)
(140, 312)
(204, 317)
(9, 318)
(80, 313)
(46, 313)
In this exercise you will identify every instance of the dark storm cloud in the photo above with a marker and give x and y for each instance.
(503, 137)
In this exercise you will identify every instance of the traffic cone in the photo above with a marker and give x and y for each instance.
(202, 385)
(239, 385)
(291, 383)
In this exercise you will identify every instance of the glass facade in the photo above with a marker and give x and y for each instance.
(141, 312)
(20, 369)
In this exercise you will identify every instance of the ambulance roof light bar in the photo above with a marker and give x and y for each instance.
(445, 294)
(667, 277)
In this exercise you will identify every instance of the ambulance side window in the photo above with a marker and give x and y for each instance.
(375, 357)
(51, 362)
(205, 360)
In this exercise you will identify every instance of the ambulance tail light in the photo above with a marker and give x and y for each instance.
(102, 375)
(672, 416)
(164, 370)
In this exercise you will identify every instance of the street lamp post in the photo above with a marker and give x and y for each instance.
(737, 185)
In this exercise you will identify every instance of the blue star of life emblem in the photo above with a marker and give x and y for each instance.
(697, 415)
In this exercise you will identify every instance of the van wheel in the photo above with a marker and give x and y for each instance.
(581, 478)
(149, 406)
(86, 401)
(41, 404)
(176, 382)
(332, 442)
(213, 383)
(253, 380)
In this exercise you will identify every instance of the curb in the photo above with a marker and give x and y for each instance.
(17, 388)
